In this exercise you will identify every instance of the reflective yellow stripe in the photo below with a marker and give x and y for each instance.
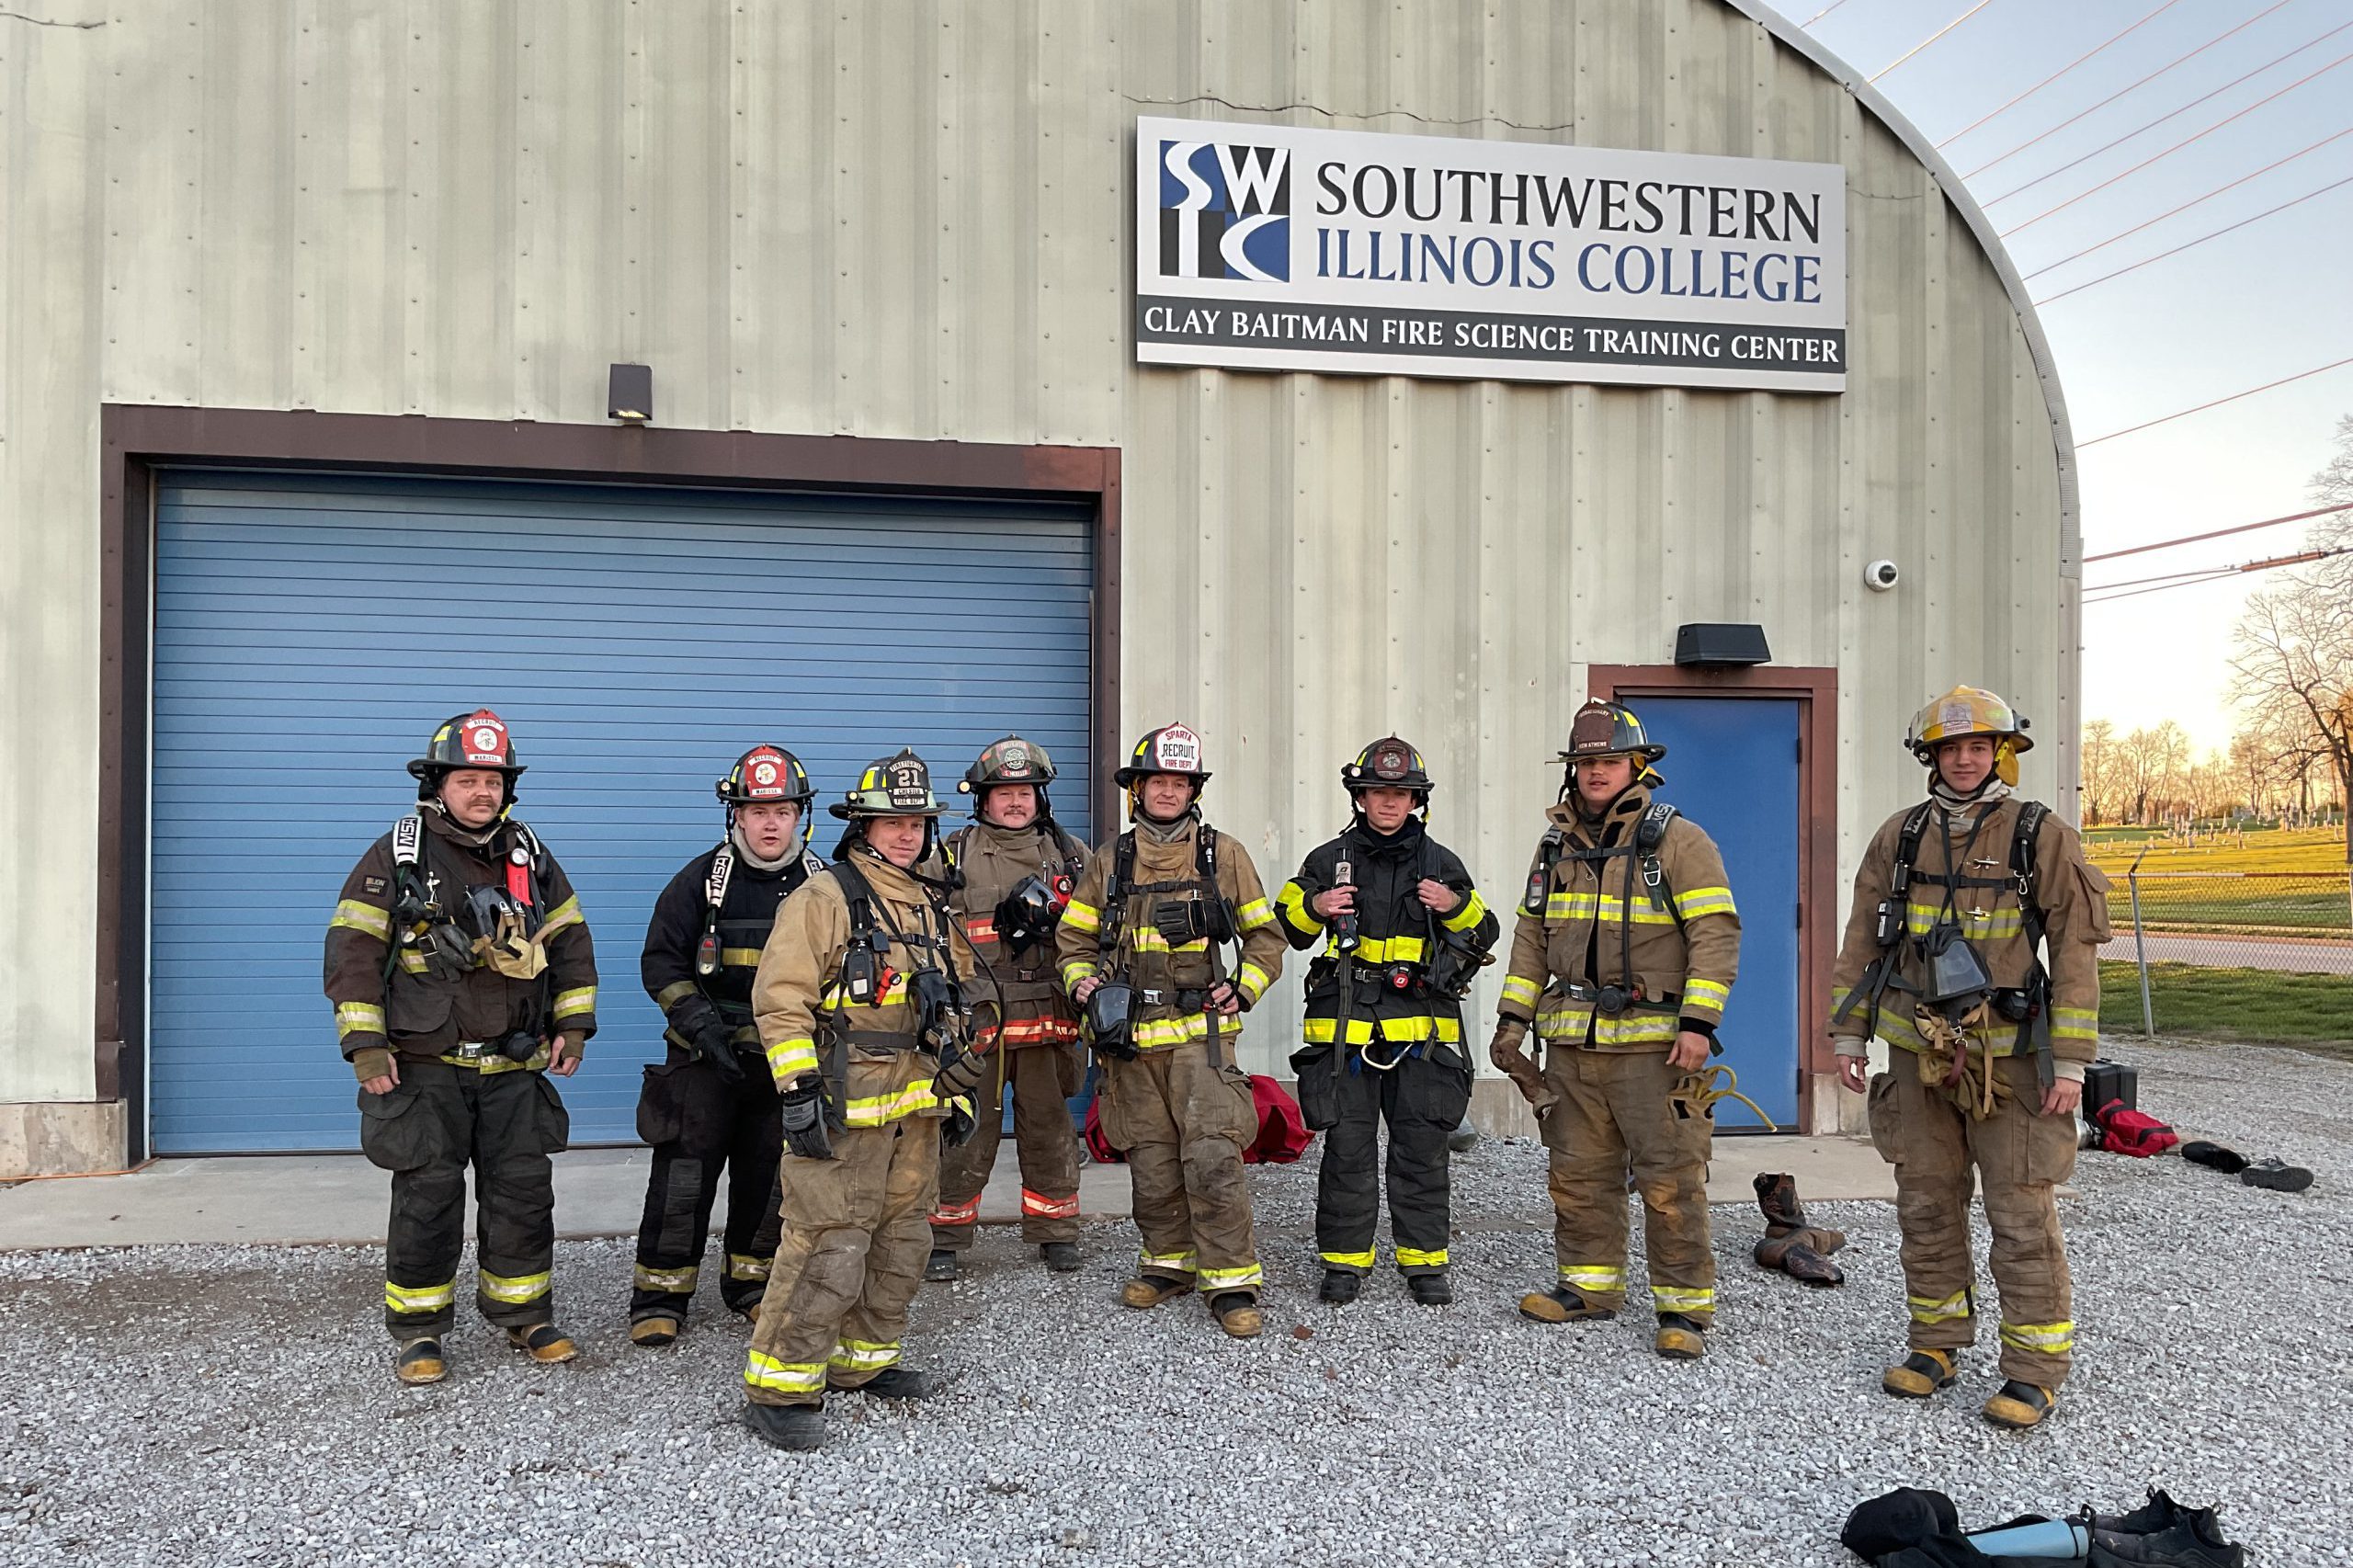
(495, 1064)
(864, 1355)
(1675, 1299)
(1165, 1262)
(358, 1017)
(1156, 1034)
(743, 1266)
(1391, 950)
(785, 1377)
(1567, 1020)
(1319, 1031)
(1927, 1310)
(1697, 902)
(1473, 910)
(881, 1110)
(1594, 1279)
(1292, 902)
(740, 958)
(673, 1281)
(1520, 990)
(368, 919)
(1708, 994)
(894, 993)
(1415, 1257)
(412, 962)
(1083, 917)
(573, 1003)
(788, 1059)
(1230, 1278)
(675, 991)
(1348, 1259)
(2074, 1023)
(562, 915)
(520, 1289)
(1253, 980)
(2052, 1338)
(418, 1298)
(1148, 939)
(1077, 970)
(1603, 906)
(1922, 918)
(1253, 915)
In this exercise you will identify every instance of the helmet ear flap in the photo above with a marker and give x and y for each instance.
(2006, 762)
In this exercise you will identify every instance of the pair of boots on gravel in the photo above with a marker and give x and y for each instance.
(2273, 1174)
(944, 1266)
(799, 1428)
(421, 1361)
(1236, 1311)
(1341, 1286)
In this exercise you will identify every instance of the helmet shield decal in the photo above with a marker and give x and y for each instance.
(1175, 750)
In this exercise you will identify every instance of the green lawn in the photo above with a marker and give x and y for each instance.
(2231, 1003)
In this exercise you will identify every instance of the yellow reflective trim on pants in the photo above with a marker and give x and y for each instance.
(881, 1110)
(412, 962)
(1680, 1299)
(1165, 1262)
(1253, 980)
(788, 1059)
(864, 1355)
(1473, 910)
(763, 1372)
(1447, 1032)
(1083, 917)
(562, 915)
(671, 994)
(358, 1017)
(2051, 1338)
(1523, 992)
(672, 1281)
(515, 1290)
(1594, 1279)
(743, 1266)
(418, 1298)
(1253, 915)
(1348, 1259)
(368, 919)
(1929, 1310)
(1696, 902)
(1211, 1279)
(573, 1003)
(1415, 1257)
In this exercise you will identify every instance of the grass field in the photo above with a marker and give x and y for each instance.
(2301, 852)
(2266, 881)
(2231, 1003)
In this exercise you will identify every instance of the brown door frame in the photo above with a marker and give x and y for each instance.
(1816, 690)
(136, 439)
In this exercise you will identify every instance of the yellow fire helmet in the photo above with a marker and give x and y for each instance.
(1970, 710)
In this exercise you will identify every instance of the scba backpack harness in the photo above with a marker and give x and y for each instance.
(1111, 1013)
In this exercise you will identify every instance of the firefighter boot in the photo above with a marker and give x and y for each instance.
(419, 1362)
(1430, 1290)
(1237, 1315)
(1678, 1338)
(941, 1267)
(2019, 1405)
(655, 1330)
(795, 1427)
(1339, 1288)
(1920, 1374)
(1060, 1256)
(543, 1343)
(1147, 1290)
(1561, 1304)
(1776, 1196)
(899, 1382)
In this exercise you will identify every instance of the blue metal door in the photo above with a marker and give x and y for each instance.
(1732, 766)
(310, 631)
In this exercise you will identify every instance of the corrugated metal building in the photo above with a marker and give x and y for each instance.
(885, 250)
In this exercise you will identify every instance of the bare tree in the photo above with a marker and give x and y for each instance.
(2294, 648)
(2097, 756)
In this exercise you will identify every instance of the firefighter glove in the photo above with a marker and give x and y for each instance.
(804, 1112)
(714, 1042)
(957, 1128)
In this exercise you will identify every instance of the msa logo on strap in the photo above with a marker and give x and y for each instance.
(1179, 750)
(714, 886)
(407, 834)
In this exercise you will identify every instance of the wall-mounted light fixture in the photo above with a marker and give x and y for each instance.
(628, 395)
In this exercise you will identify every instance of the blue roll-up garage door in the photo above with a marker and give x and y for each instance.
(311, 633)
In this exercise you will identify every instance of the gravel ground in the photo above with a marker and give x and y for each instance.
(234, 1405)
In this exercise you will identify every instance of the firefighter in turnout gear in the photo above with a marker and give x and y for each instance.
(461, 973)
(858, 1002)
(1623, 957)
(1990, 1039)
(1142, 949)
(709, 1108)
(1403, 934)
(1016, 868)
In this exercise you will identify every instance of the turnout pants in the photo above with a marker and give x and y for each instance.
(849, 1261)
(1040, 1078)
(704, 1127)
(1184, 1123)
(2015, 1156)
(1421, 1100)
(426, 1131)
(1615, 1115)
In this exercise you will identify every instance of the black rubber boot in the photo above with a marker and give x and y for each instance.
(2276, 1176)
(794, 1428)
(1340, 1287)
(2214, 1157)
(941, 1267)
(420, 1362)
(1060, 1256)
(1677, 1338)
(1462, 1139)
(1431, 1289)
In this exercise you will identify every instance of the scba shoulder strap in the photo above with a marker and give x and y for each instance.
(1650, 831)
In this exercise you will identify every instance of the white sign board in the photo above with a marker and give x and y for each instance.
(1279, 247)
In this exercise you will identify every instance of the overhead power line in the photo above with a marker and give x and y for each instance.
(1823, 12)
(2157, 157)
(2186, 244)
(2163, 586)
(2217, 533)
(2185, 109)
(2184, 414)
(2120, 92)
(1929, 39)
(2022, 98)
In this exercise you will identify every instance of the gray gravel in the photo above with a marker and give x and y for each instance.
(234, 1405)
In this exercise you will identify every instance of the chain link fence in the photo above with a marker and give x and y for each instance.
(2271, 923)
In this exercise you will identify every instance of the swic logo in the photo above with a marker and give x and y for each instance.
(1224, 212)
